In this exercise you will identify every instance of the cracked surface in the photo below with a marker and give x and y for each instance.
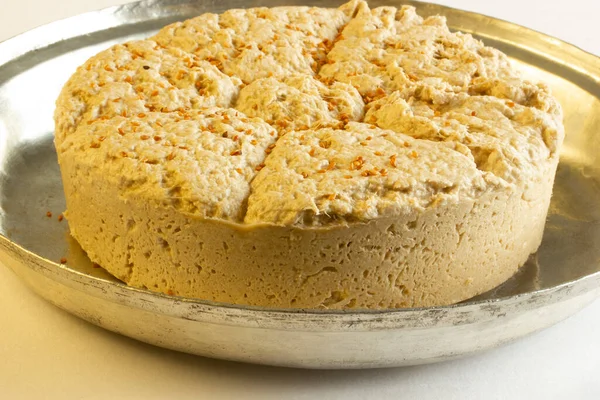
(360, 172)
(268, 123)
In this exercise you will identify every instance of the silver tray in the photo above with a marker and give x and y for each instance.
(558, 281)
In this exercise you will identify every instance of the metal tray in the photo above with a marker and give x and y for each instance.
(559, 280)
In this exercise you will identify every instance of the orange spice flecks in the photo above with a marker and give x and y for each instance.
(269, 149)
(282, 123)
(393, 160)
(357, 163)
(325, 144)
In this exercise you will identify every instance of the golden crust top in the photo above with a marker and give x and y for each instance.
(297, 115)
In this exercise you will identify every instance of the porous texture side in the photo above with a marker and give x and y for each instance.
(440, 256)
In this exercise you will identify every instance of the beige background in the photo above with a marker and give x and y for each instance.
(47, 354)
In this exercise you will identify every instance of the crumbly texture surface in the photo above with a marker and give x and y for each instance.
(308, 157)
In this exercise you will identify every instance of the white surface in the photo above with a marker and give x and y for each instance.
(46, 353)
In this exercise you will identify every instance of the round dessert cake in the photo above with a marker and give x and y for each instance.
(298, 157)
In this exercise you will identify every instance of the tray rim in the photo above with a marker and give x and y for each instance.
(47, 35)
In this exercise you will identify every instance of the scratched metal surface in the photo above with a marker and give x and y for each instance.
(559, 280)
